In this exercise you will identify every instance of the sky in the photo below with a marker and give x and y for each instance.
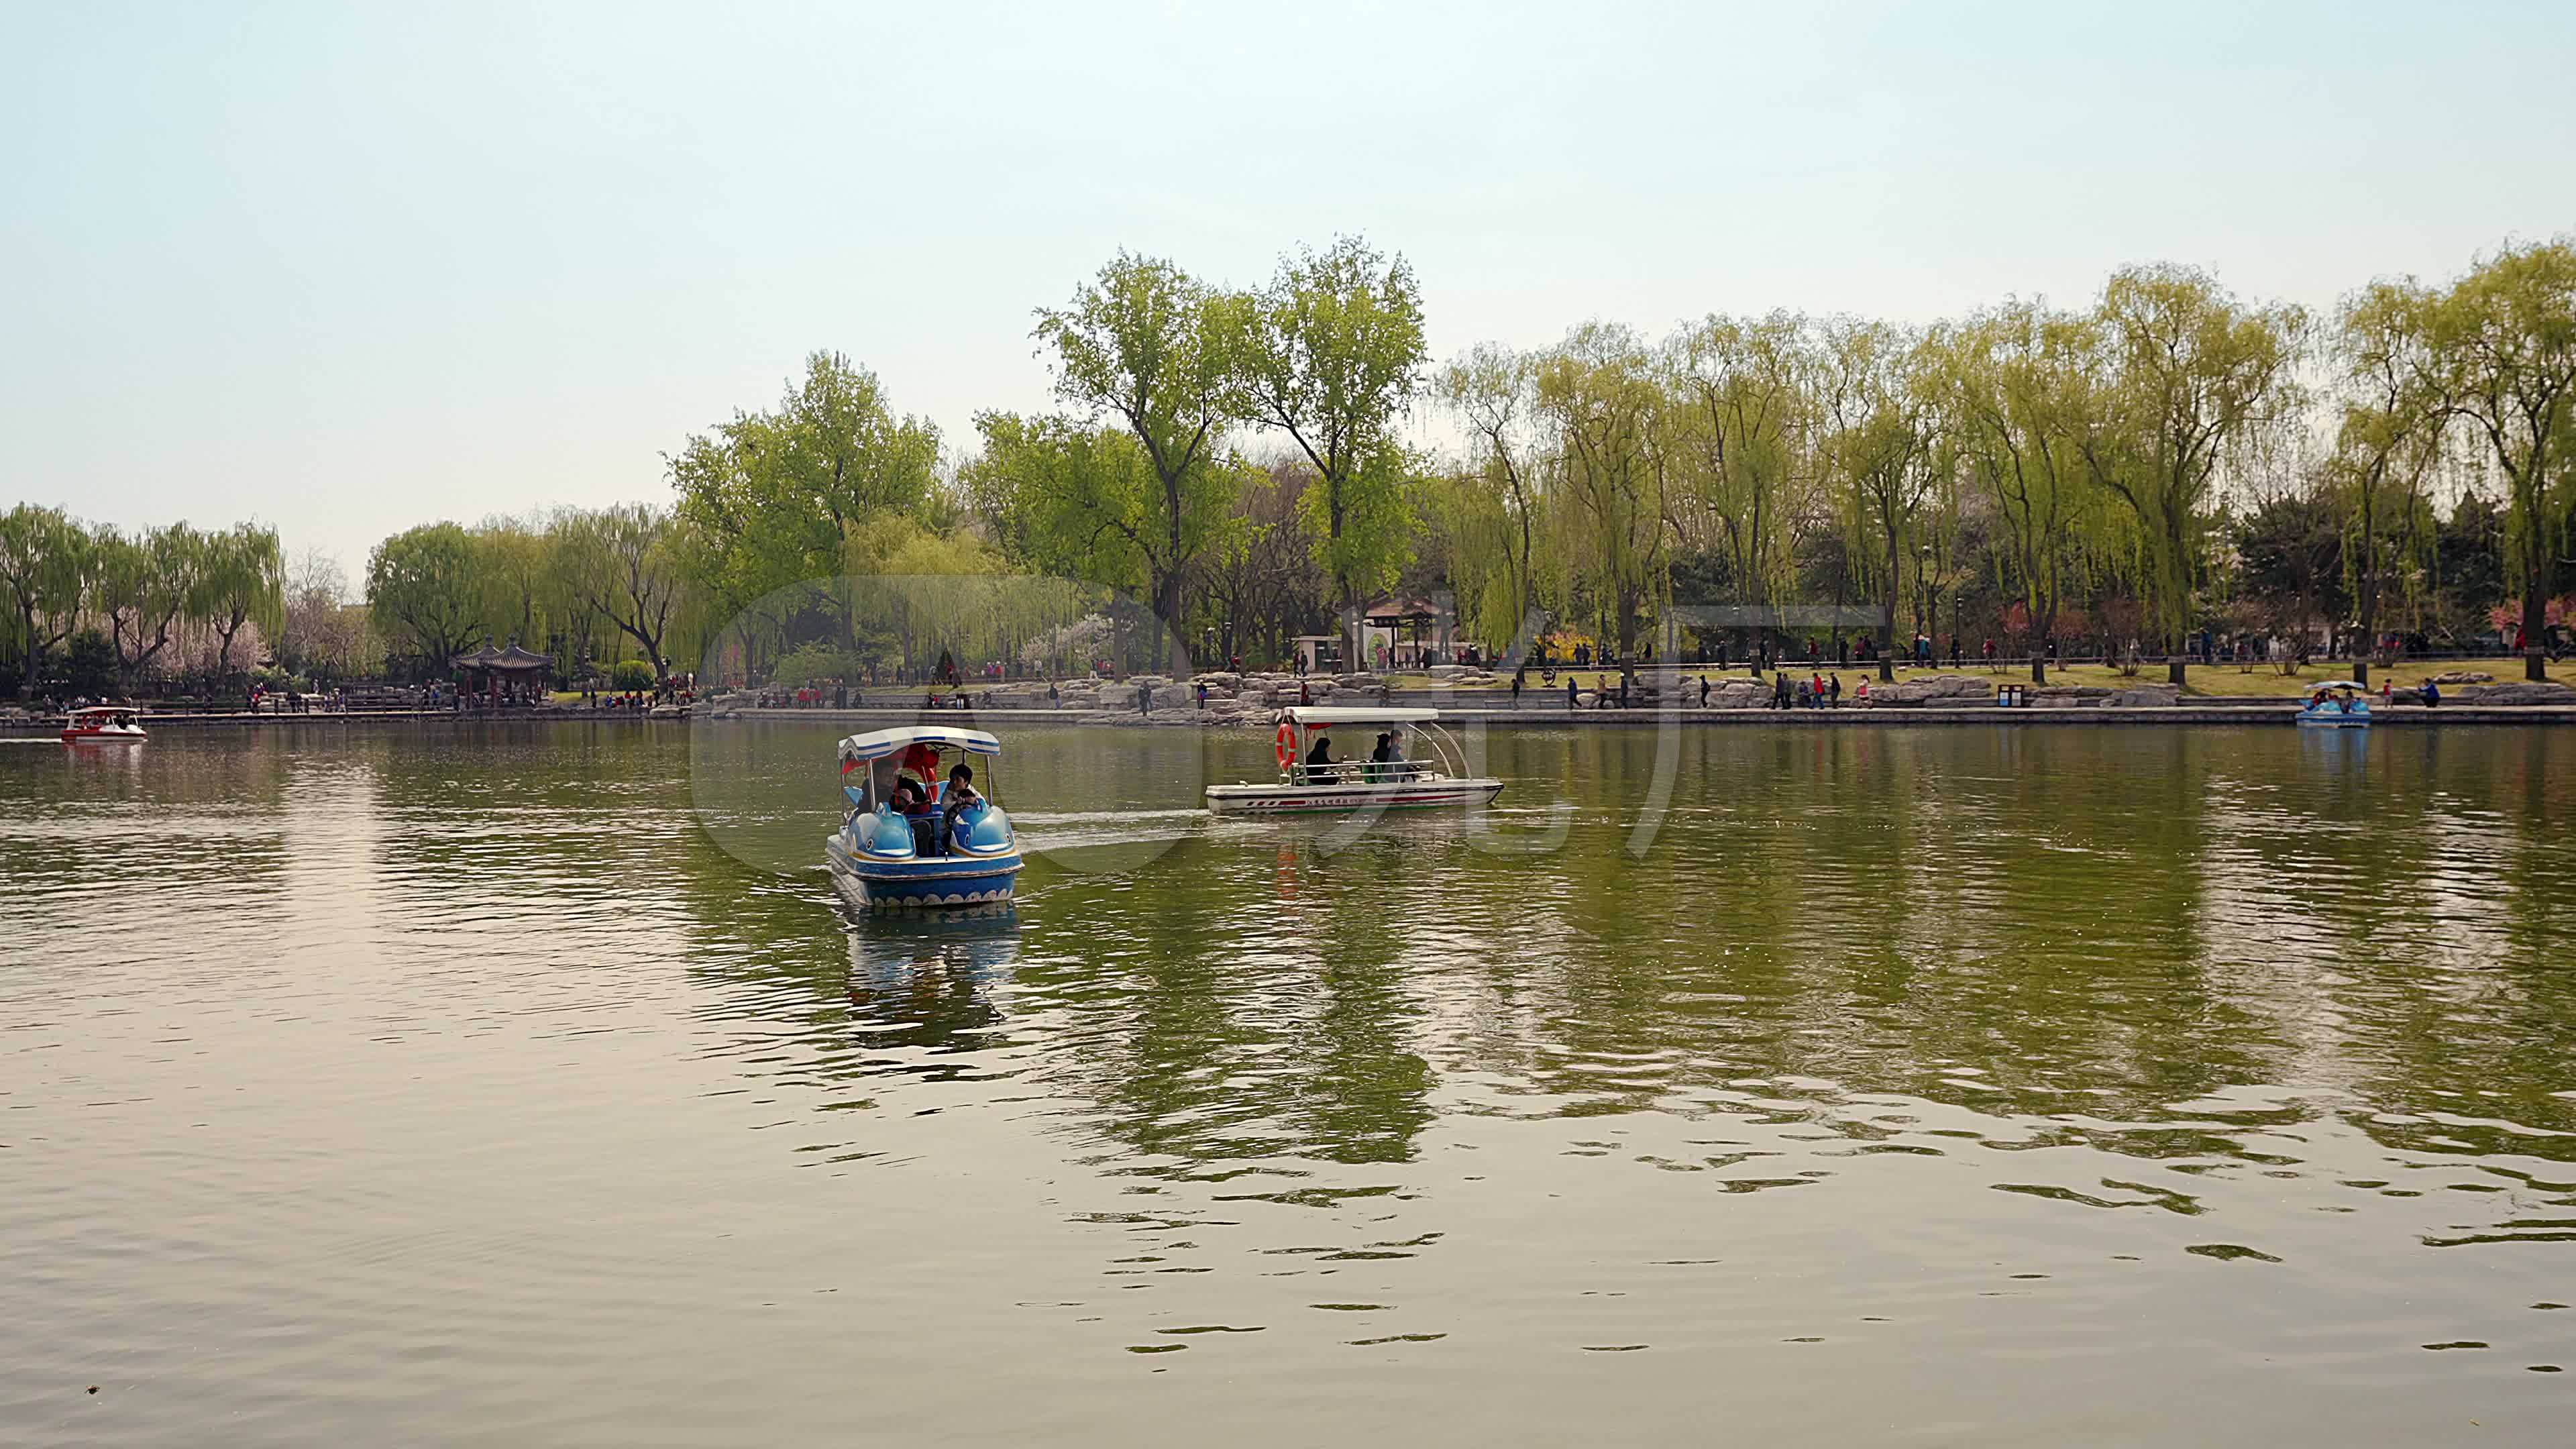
(343, 269)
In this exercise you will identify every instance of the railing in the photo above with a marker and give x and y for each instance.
(1360, 772)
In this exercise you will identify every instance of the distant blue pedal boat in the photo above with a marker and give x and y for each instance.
(939, 859)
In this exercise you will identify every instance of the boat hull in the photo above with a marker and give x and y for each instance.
(1323, 799)
(937, 883)
(102, 737)
(2335, 720)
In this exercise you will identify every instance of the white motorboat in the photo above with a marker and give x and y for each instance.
(1393, 776)
(103, 724)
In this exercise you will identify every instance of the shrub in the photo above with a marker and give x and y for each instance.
(631, 674)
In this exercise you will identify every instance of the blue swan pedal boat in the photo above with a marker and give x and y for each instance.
(944, 858)
(2341, 704)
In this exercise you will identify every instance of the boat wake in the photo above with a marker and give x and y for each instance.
(1058, 831)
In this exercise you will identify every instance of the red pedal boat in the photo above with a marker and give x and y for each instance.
(102, 724)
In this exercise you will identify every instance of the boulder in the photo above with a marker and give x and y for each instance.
(2464, 676)
(2521, 692)
(2148, 696)
(1949, 690)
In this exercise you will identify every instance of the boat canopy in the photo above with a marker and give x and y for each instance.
(877, 744)
(2341, 684)
(1317, 715)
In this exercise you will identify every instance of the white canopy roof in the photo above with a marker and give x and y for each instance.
(1333, 714)
(877, 744)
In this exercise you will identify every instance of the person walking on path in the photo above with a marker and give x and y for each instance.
(1573, 700)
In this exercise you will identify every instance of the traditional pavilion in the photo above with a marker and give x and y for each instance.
(1431, 626)
(502, 676)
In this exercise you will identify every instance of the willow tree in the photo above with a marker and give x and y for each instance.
(2505, 343)
(1154, 347)
(2014, 394)
(45, 560)
(620, 564)
(240, 582)
(143, 587)
(1604, 403)
(2387, 440)
(1741, 441)
(426, 592)
(2188, 377)
(1876, 411)
(1494, 392)
(1331, 355)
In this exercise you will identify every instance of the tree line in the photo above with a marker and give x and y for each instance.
(2165, 461)
(90, 606)
(2168, 460)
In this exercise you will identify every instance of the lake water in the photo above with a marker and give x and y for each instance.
(1942, 1085)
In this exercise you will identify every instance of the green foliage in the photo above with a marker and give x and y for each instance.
(2013, 389)
(141, 587)
(633, 674)
(1492, 508)
(1331, 354)
(814, 663)
(1151, 346)
(1739, 439)
(427, 590)
(2291, 554)
(1600, 394)
(773, 499)
(88, 666)
(45, 559)
(2195, 379)
(621, 564)
(2503, 343)
(240, 580)
(1876, 394)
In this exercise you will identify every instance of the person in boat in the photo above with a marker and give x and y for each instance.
(1321, 756)
(961, 793)
(912, 803)
(1387, 753)
(918, 765)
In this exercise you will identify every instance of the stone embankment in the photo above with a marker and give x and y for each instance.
(1154, 699)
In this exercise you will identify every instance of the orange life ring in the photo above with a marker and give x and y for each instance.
(1283, 745)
